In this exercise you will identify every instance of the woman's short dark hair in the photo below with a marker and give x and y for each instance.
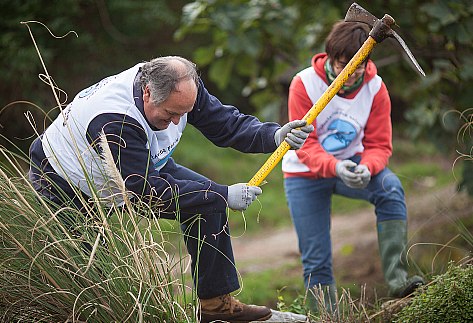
(345, 39)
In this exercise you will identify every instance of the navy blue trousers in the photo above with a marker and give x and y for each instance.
(207, 236)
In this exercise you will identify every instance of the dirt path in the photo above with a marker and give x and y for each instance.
(354, 237)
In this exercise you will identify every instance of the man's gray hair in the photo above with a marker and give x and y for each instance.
(162, 74)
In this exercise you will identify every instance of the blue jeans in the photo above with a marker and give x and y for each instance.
(309, 202)
(207, 238)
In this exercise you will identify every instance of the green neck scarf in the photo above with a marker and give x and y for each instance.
(331, 77)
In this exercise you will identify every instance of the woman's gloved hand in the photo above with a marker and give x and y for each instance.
(364, 173)
(345, 171)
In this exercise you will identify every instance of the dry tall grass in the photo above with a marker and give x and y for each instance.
(109, 265)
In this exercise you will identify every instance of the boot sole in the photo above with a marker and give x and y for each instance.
(267, 317)
(410, 289)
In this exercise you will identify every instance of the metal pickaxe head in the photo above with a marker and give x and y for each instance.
(381, 28)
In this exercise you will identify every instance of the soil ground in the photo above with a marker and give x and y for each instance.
(354, 239)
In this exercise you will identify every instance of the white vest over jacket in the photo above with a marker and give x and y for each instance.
(340, 125)
(66, 146)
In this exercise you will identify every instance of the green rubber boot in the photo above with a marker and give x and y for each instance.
(328, 297)
(392, 241)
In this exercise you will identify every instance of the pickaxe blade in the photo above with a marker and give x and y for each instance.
(381, 29)
(408, 52)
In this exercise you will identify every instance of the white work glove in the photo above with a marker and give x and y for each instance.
(344, 172)
(240, 196)
(294, 133)
(364, 173)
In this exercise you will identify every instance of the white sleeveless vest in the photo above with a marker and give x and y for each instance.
(65, 145)
(340, 125)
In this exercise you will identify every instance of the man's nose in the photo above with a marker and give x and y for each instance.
(176, 120)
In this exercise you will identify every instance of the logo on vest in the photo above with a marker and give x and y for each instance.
(163, 154)
(94, 88)
(340, 135)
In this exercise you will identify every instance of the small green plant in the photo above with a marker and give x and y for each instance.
(449, 298)
(296, 306)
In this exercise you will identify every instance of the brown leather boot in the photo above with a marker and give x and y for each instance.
(226, 308)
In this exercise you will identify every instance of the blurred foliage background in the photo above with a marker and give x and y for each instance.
(247, 53)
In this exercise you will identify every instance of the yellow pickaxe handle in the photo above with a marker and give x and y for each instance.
(321, 103)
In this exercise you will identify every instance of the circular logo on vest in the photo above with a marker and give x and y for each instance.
(341, 135)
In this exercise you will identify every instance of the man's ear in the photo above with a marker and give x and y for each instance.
(146, 94)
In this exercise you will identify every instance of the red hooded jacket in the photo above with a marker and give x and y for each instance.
(377, 140)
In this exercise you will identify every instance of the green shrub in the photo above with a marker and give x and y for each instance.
(449, 298)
